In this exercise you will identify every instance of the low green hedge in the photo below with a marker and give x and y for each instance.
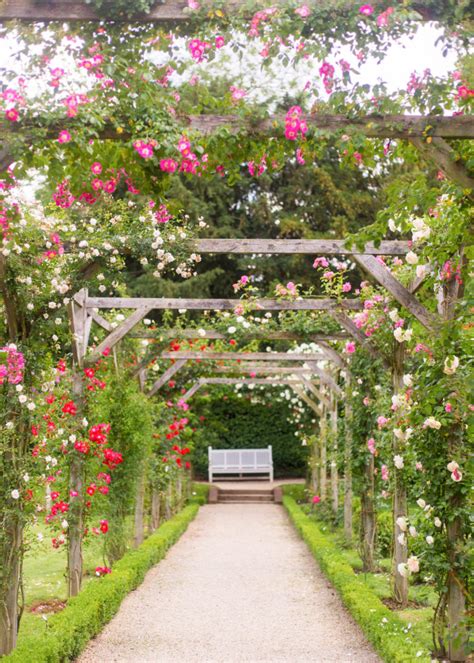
(84, 617)
(199, 494)
(385, 630)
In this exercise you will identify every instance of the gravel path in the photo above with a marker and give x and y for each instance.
(239, 586)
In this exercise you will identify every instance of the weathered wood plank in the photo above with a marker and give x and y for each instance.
(326, 378)
(442, 155)
(316, 392)
(190, 393)
(403, 296)
(242, 356)
(264, 370)
(224, 304)
(117, 334)
(167, 375)
(231, 381)
(309, 401)
(167, 11)
(349, 325)
(260, 334)
(296, 246)
(102, 322)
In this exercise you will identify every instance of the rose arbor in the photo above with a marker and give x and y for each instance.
(153, 137)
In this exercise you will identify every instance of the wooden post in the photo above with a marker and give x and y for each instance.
(323, 427)
(367, 518)
(169, 501)
(155, 509)
(400, 507)
(334, 445)
(139, 511)
(458, 635)
(315, 466)
(348, 462)
(77, 321)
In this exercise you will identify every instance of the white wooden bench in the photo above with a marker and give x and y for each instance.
(240, 461)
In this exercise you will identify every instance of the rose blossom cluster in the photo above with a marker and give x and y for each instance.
(12, 370)
(295, 124)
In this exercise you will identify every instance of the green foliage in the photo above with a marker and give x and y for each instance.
(199, 494)
(385, 630)
(129, 412)
(116, 8)
(69, 631)
(238, 423)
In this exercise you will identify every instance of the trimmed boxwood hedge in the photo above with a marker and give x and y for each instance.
(85, 615)
(384, 629)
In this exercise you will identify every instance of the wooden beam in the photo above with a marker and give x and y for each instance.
(259, 370)
(260, 334)
(102, 322)
(313, 247)
(332, 355)
(384, 276)
(242, 356)
(247, 381)
(167, 11)
(197, 385)
(167, 375)
(443, 156)
(117, 334)
(311, 387)
(224, 304)
(299, 391)
(349, 325)
(77, 324)
(326, 378)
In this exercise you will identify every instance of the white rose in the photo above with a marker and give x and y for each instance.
(403, 570)
(402, 523)
(431, 422)
(421, 503)
(411, 258)
(408, 380)
(437, 522)
(413, 531)
(399, 462)
(15, 494)
(451, 365)
(421, 271)
(22, 398)
(402, 539)
(413, 564)
(231, 330)
(429, 540)
(202, 332)
(393, 315)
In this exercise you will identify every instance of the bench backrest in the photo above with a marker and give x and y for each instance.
(240, 459)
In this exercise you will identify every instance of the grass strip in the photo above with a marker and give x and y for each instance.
(68, 632)
(389, 634)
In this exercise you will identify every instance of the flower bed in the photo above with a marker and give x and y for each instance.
(386, 631)
(85, 615)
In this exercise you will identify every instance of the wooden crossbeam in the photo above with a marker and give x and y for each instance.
(384, 276)
(246, 381)
(349, 325)
(264, 370)
(299, 391)
(223, 304)
(262, 334)
(332, 355)
(242, 356)
(326, 378)
(297, 246)
(167, 375)
(163, 11)
(117, 334)
(315, 391)
(442, 155)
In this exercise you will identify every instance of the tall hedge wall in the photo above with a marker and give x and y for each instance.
(237, 423)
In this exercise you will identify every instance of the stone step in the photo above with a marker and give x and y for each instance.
(245, 498)
(245, 491)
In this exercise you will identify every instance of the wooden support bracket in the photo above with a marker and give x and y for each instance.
(167, 375)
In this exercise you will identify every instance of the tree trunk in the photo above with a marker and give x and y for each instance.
(139, 512)
(315, 466)
(155, 509)
(348, 464)
(458, 636)
(76, 519)
(400, 508)
(367, 519)
(323, 453)
(168, 501)
(11, 555)
(334, 441)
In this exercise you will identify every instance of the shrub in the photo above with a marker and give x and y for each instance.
(237, 423)
(385, 630)
(85, 615)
